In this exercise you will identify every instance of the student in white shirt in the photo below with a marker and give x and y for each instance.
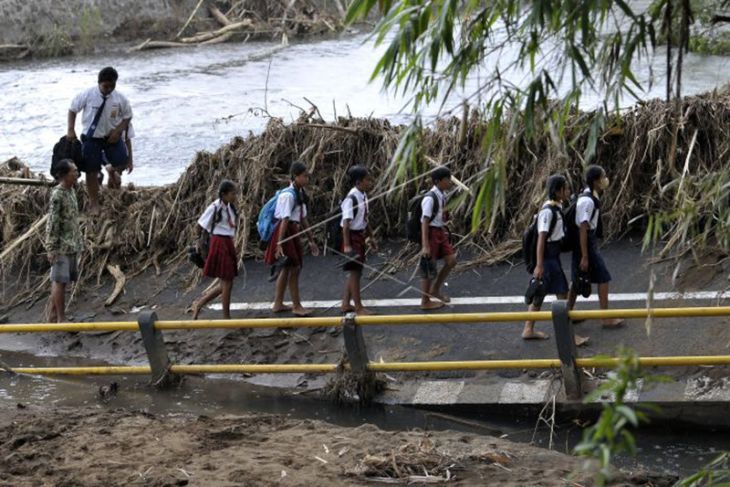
(435, 243)
(587, 259)
(106, 116)
(220, 220)
(284, 249)
(549, 269)
(356, 236)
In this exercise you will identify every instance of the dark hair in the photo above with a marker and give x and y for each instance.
(593, 173)
(63, 167)
(555, 183)
(357, 174)
(440, 173)
(226, 186)
(108, 74)
(297, 169)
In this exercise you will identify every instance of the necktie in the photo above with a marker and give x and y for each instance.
(97, 116)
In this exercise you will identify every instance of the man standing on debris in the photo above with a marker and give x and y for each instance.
(106, 116)
(63, 238)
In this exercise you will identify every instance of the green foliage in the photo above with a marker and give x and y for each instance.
(611, 434)
(432, 47)
(55, 43)
(714, 474)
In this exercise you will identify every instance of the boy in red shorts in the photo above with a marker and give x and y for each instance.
(435, 241)
(355, 237)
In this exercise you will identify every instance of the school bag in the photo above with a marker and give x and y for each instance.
(333, 229)
(66, 149)
(413, 222)
(529, 238)
(266, 221)
(572, 232)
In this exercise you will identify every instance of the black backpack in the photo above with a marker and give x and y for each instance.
(413, 222)
(334, 230)
(572, 232)
(529, 238)
(66, 149)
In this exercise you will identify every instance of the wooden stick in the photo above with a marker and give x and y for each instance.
(195, 11)
(120, 279)
(16, 243)
(148, 44)
(218, 15)
(27, 182)
(461, 185)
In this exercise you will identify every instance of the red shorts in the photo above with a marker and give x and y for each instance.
(357, 241)
(438, 238)
(221, 261)
(292, 247)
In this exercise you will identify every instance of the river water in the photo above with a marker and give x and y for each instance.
(186, 100)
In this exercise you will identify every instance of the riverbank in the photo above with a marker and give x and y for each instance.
(50, 29)
(89, 447)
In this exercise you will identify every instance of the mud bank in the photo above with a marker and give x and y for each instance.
(118, 447)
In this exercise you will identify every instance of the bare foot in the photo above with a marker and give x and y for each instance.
(347, 309)
(431, 305)
(441, 297)
(301, 312)
(534, 335)
(615, 323)
(364, 311)
(580, 341)
(281, 309)
(195, 308)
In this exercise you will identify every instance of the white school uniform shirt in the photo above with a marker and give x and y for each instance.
(226, 227)
(360, 221)
(287, 207)
(584, 209)
(117, 108)
(427, 208)
(544, 219)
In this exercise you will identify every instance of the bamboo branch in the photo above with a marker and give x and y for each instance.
(16, 243)
(185, 26)
(27, 182)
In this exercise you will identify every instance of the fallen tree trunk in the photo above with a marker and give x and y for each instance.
(206, 36)
(150, 44)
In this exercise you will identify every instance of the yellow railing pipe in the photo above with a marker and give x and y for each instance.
(382, 320)
(600, 362)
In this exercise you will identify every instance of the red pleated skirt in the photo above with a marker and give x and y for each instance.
(292, 247)
(222, 261)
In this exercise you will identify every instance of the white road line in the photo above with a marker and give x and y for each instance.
(488, 300)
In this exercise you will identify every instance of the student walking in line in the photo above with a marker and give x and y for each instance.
(435, 241)
(356, 236)
(220, 220)
(106, 116)
(284, 250)
(63, 240)
(548, 274)
(588, 264)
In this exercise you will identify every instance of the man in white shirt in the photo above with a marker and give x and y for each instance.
(106, 116)
(356, 236)
(435, 243)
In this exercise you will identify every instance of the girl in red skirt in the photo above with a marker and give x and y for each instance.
(220, 220)
(285, 249)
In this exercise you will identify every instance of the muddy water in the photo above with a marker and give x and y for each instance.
(662, 451)
(194, 99)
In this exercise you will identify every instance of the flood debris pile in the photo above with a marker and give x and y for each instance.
(348, 386)
(670, 174)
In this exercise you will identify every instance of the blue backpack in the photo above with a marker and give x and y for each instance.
(266, 222)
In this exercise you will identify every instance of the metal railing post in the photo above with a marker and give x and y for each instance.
(357, 354)
(565, 340)
(156, 352)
